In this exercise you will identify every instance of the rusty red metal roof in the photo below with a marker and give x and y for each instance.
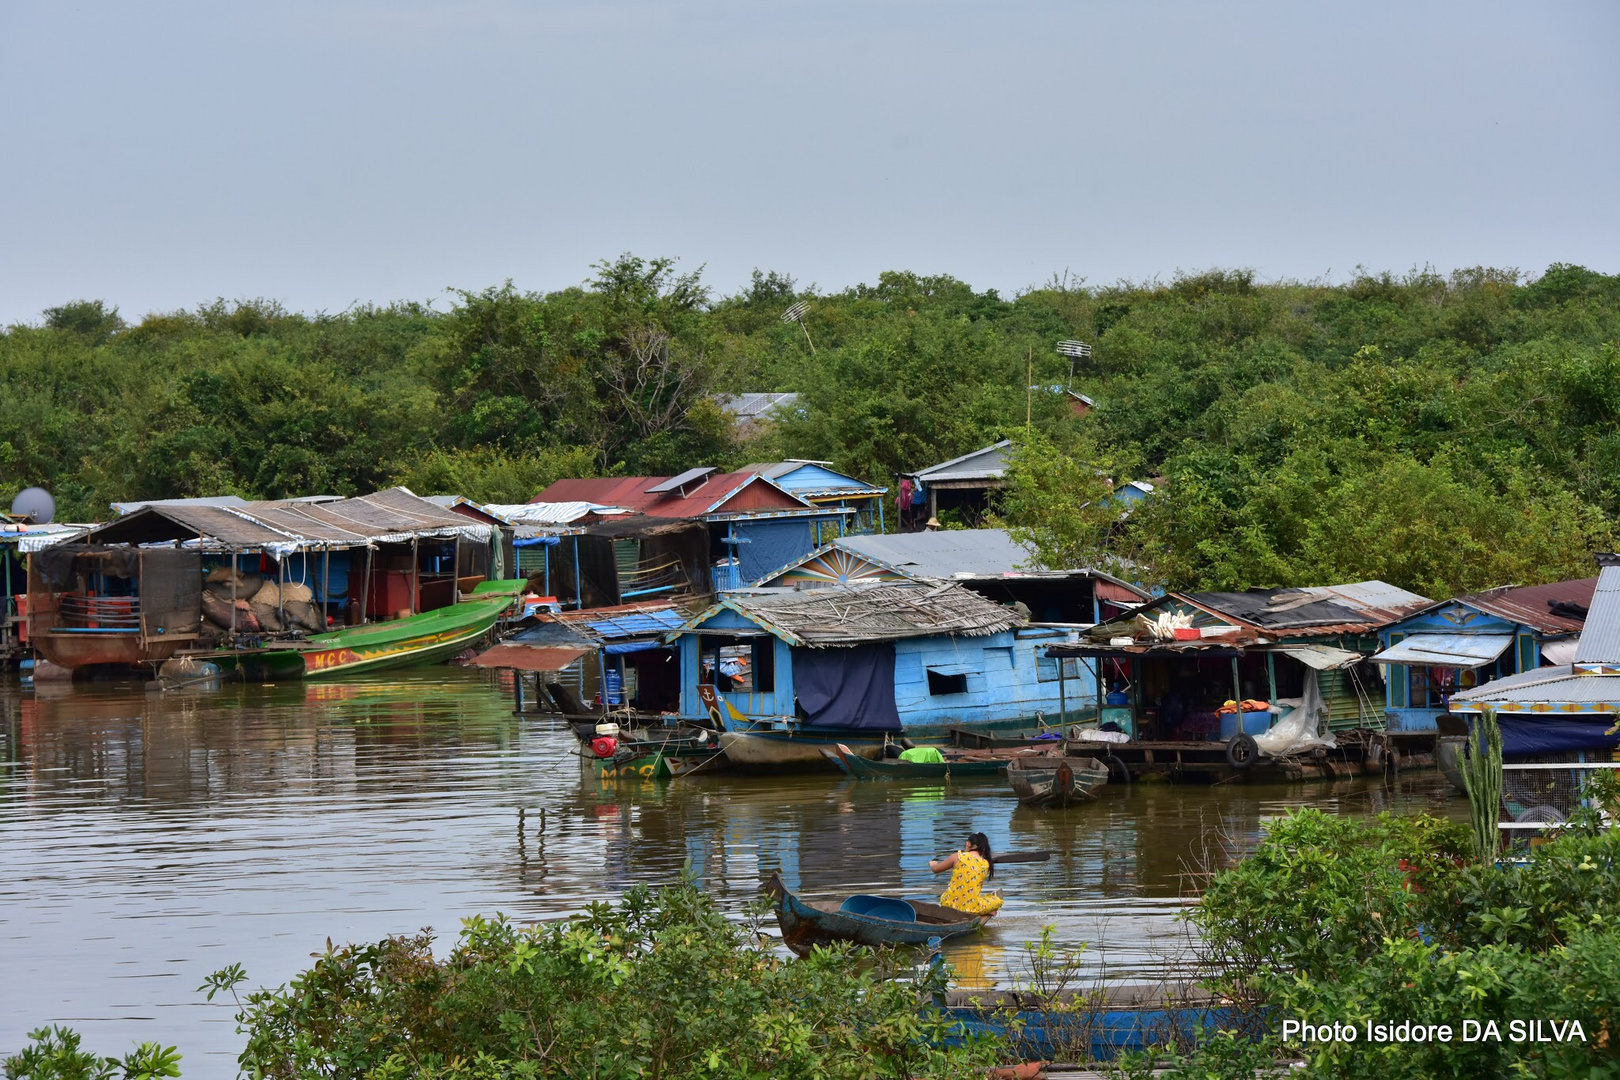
(1531, 605)
(719, 493)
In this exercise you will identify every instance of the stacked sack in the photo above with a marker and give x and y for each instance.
(260, 604)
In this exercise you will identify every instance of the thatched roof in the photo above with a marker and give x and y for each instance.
(856, 614)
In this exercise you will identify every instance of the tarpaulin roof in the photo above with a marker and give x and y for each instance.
(1446, 650)
(961, 554)
(1357, 607)
(279, 526)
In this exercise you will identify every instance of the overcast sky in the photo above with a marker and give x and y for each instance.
(158, 155)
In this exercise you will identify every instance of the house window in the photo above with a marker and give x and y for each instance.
(1046, 668)
(740, 665)
(942, 681)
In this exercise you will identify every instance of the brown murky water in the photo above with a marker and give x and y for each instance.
(148, 839)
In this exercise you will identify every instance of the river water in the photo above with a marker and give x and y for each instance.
(148, 839)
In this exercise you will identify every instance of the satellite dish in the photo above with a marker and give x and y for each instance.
(34, 503)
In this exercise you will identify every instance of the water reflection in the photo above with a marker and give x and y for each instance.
(151, 838)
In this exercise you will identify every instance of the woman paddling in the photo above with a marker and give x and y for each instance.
(970, 869)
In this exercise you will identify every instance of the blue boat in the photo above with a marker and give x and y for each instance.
(1094, 1026)
(874, 921)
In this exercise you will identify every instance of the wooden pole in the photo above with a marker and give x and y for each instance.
(1063, 699)
(416, 577)
(365, 588)
(233, 595)
(455, 572)
(326, 583)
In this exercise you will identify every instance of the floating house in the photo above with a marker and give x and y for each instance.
(133, 590)
(1263, 644)
(988, 561)
(901, 658)
(18, 540)
(818, 483)
(598, 660)
(963, 484)
(1557, 722)
(754, 525)
(1471, 640)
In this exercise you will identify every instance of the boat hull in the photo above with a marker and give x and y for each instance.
(420, 639)
(1097, 1026)
(806, 925)
(86, 649)
(1056, 781)
(953, 768)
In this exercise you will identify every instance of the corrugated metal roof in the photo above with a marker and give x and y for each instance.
(1446, 650)
(989, 463)
(1600, 637)
(754, 406)
(1545, 690)
(700, 500)
(287, 524)
(1532, 605)
(1353, 608)
(551, 513)
(945, 553)
(811, 478)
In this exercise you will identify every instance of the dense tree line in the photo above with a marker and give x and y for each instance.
(1442, 433)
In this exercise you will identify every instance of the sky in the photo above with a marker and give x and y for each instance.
(159, 155)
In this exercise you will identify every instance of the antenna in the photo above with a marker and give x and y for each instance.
(795, 314)
(34, 503)
(1074, 350)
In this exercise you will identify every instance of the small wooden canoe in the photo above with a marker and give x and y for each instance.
(1096, 1025)
(874, 921)
(1056, 779)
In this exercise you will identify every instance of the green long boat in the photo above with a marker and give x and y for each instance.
(428, 638)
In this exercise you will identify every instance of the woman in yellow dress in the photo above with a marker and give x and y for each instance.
(970, 869)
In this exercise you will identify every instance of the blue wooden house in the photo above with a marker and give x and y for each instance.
(898, 658)
(818, 483)
(1456, 645)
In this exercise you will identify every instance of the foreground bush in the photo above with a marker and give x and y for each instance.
(661, 986)
(1334, 921)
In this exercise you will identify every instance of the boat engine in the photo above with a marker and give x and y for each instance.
(604, 746)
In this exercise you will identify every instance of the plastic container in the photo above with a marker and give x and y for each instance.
(1188, 633)
(608, 729)
(1254, 723)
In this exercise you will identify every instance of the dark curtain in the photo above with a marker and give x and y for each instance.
(847, 688)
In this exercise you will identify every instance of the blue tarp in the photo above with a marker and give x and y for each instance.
(638, 624)
(847, 688)
(537, 541)
(770, 546)
(1524, 736)
(618, 648)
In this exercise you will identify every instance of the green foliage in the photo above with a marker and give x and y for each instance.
(1482, 771)
(53, 1054)
(1442, 433)
(1336, 920)
(663, 985)
(1060, 503)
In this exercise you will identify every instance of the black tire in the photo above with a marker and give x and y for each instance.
(1241, 751)
(1114, 762)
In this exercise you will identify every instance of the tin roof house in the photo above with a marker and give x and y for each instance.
(1470, 640)
(963, 484)
(988, 561)
(754, 524)
(1557, 722)
(1263, 644)
(855, 661)
(817, 482)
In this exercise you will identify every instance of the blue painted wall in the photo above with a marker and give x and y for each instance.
(1399, 711)
(1008, 678)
